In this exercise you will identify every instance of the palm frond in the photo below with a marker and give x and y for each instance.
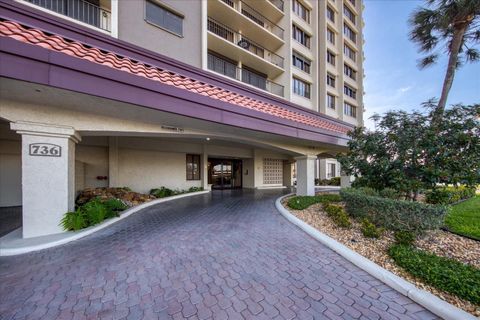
(427, 61)
(472, 55)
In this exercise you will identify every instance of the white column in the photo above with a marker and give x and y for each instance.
(48, 176)
(204, 170)
(306, 175)
(345, 181)
(113, 162)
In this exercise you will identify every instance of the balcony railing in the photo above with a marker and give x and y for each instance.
(80, 10)
(256, 17)
(243, 42)
(278, 4)
(230, 70)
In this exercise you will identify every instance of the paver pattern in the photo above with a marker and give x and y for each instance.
(225, 255)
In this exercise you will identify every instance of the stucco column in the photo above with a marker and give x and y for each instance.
(306, 175)
(204, 170)
(345, 181)
(113, 162)
(48, 176)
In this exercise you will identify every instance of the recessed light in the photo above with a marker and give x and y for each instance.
(208, 139)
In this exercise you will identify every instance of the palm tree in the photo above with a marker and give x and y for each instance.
(452, 26)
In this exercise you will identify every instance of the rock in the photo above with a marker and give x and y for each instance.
(128, 197)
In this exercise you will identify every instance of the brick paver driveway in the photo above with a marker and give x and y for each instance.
(221, 255)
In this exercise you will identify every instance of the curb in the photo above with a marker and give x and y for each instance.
(75, 235)
(431, 302)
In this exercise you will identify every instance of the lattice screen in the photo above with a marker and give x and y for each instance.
(272, 171)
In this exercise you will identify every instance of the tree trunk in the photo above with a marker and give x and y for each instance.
(454, 50)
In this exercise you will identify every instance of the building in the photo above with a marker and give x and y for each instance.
(215, 94)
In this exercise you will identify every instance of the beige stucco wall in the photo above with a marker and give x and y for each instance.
(133, 27)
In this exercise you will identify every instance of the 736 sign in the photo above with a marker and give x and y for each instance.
(45, 150)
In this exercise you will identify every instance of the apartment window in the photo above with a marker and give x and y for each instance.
(164, 18)
(332, 170)
(349, 52)
(352, 2)
(349, 110)
(193, 167)
(301, 62)
(300, 10)
(349, 91)
(349, 13)
(301, 88)
(222, 65)
(331, 101)
(330, 57)
(349, 71)
(330, 36)
(349, 33)
(254, 78)
(331, 80)
(330, 14)
(301, 36)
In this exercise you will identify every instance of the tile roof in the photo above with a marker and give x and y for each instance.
(76, 49)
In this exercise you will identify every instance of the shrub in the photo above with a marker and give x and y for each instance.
(390, 193)
(368, 191)
(162, 192)
(369, 230)
(328, 182)
(73, 221)
(449, 195)
(404, 238)
(94, 211)
(303, 202)
(445, 274)
(392, 214)
(195, 189)
(114, 206)
(337, 214)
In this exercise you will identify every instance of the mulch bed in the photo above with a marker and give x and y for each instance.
(128, 197)
(439, 242)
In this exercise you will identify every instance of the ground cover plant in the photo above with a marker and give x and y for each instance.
(303, 202)
(163, 192)
(464, 218)
(445, 274)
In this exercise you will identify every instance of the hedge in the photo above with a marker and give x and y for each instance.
(445, 274)
(449, 195)
(396, 215)
(303, 202)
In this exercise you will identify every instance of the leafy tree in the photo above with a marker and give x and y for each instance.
(452, 26)
(408, 154)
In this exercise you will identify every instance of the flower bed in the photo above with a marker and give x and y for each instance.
(439, 242)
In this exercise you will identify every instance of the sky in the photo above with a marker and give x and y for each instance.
(392, 79)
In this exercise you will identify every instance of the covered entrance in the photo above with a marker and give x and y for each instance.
(225, 173)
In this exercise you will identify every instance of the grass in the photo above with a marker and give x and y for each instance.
(464, 218)
(303, 202)
(445, 274)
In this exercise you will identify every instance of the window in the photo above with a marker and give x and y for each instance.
(349, 71)
(254, 78)
(330, 57)
(193, 167)
(330, 80)
(301, 62)
(301, 88)
(349, 109)
(222, 65)
(349, 33)
(330, 14)
(301, 11)
(163, 18)
(330, 101)
(349, 14)
(301, 36)
(349, 52)
(349, 91)
(332, 170)
(330, 36)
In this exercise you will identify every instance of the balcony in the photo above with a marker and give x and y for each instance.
(277, 3)
(81, 10)
(236, 46)
(255, 16)
(229, 69)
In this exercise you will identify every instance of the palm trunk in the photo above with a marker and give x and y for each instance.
(456, 44)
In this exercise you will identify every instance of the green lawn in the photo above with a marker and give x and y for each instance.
(464, 218)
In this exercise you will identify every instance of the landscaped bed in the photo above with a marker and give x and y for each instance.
(465, 252)
(464, 218)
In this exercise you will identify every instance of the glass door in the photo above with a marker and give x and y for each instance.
(225, 173)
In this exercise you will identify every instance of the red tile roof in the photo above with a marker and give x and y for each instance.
(74, 48)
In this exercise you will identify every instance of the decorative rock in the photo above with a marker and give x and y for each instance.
(129, 197)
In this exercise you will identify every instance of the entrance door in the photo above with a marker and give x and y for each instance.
(225, 173)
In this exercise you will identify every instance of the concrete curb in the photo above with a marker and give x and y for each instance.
(431, 302)
(75, 235)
